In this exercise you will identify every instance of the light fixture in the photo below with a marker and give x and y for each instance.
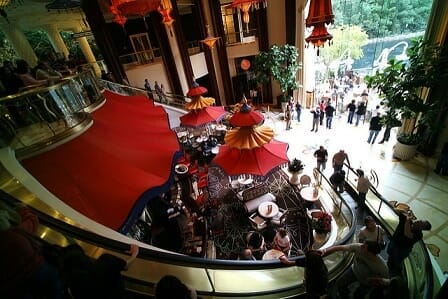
(210, 40)
(320, 14)
(244, 6)
(122, 8)
(165, 10)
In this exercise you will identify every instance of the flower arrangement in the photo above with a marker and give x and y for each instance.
(295, 165)
(322, 223)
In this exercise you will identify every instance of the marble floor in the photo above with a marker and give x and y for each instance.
(412, 182)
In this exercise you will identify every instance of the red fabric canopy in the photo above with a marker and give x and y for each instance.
(256, 161)
(109, 171)
(199, 117)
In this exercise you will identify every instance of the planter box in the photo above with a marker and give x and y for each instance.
(404, 152)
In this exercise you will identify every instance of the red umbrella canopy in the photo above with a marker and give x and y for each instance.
(196, 90)
(246, 117)
(196, 118)
(257, 161)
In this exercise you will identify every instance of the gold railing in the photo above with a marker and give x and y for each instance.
(46, 114)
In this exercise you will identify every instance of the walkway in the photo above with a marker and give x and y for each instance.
(412, 182)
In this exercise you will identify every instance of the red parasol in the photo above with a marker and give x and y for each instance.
(196, 90)
(196, 118)
(257, 161)
(246, 117)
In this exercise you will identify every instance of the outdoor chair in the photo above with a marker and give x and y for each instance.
(257, 222)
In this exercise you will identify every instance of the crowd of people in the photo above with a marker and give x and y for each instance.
(19, 75)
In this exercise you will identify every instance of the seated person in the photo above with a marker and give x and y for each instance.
(45, 72)
(282, 241)
(24, 73)
(255, 242)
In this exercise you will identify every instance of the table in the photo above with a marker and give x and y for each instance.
(263, 209)
(307, 194)
(272, 254)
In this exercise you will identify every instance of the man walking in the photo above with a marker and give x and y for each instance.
(321, 156)
(329, 112)
(316, 117)
(351, 111)
(374, 128)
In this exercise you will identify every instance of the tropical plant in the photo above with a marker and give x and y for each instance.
(322, 223)
(295, 165)
(404, 87)
(280, 64)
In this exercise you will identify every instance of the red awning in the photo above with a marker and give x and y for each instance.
(104, 172)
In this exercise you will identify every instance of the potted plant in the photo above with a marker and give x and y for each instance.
(280, 64)
(405, 87)
(295, 167)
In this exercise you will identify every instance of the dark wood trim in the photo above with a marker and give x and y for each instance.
(215, 10)
(182, 44)
(213, 89)
(97, 23)
(167, 54)
(263, 44)
(290, 21)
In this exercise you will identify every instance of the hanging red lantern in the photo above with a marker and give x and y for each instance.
(121, 8)
(244, 6)
(320, 14)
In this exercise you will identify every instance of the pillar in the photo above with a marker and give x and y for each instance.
(56, 40)
(20, 43)
(87, 51)
(299, 94)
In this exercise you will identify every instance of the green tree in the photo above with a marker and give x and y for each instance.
(345, 37)
(280, 64)
(380, 18)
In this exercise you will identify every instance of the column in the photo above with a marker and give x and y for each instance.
(87, 51)
(20, 43)
(300, 44)
(56, 40)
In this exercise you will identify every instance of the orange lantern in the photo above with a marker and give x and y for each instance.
(244, 6)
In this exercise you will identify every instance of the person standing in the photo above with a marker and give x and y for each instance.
(163, 94)
(362, 187)
(329, 112)
(316, 117)
(288, 115)
(371, 231)
(322, 110)
(321, 156)
(316, 273)
(338, 160)
(148, 89)
(407, 233)
(360, 111)
(374, 128)
(366, 268)
(298, 110)
(337, 179)
(351, 111)
(158, 90)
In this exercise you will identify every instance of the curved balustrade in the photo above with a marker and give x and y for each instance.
(43, 114)
(418, 265)
(212, 278)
